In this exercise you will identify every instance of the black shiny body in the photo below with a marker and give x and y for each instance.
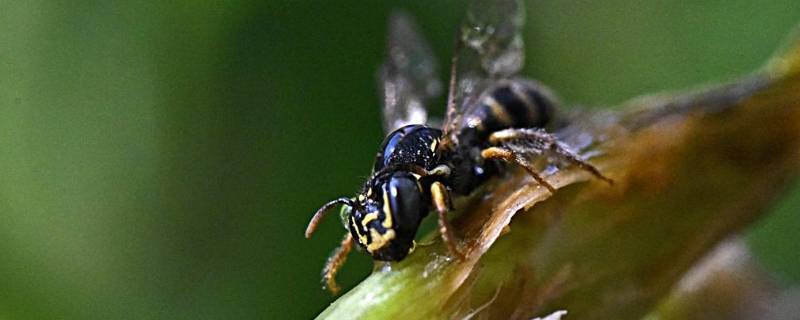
(392, 203)
(409, 145)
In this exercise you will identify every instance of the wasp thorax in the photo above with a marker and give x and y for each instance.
(386, 216)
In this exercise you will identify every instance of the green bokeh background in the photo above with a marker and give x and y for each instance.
(161, 160)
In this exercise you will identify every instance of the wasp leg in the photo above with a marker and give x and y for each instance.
(440, 201)
(572, 158)
(335, 261)
(542, 140)
(510, 156)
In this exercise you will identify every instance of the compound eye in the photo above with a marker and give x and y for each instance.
(405, 202)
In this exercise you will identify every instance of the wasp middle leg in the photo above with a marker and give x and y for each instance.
(508, 155)
(441, 202)
(538, 141)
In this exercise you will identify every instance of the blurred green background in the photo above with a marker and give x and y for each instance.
(161, 160)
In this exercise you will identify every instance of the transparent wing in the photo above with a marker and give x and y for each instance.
(492, 32)
(489, 47)
(408, 78)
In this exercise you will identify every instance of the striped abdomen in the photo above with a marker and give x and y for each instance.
(507, 105)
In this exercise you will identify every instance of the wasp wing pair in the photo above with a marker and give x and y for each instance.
(488, 47)
(492, 118)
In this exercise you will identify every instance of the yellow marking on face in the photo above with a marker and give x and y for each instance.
(387, 210)
(498, 110)
(369, 192)
(361, 198)
(368, 218)
(379, 240)
(362, 239)
(434, 144)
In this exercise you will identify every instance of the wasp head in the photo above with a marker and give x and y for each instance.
(385, 216)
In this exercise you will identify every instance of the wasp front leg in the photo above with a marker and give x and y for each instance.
(335, 261)
(439, 196)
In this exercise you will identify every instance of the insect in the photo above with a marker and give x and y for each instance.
(493, 119)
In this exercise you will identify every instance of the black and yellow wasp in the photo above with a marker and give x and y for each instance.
(493, 119)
